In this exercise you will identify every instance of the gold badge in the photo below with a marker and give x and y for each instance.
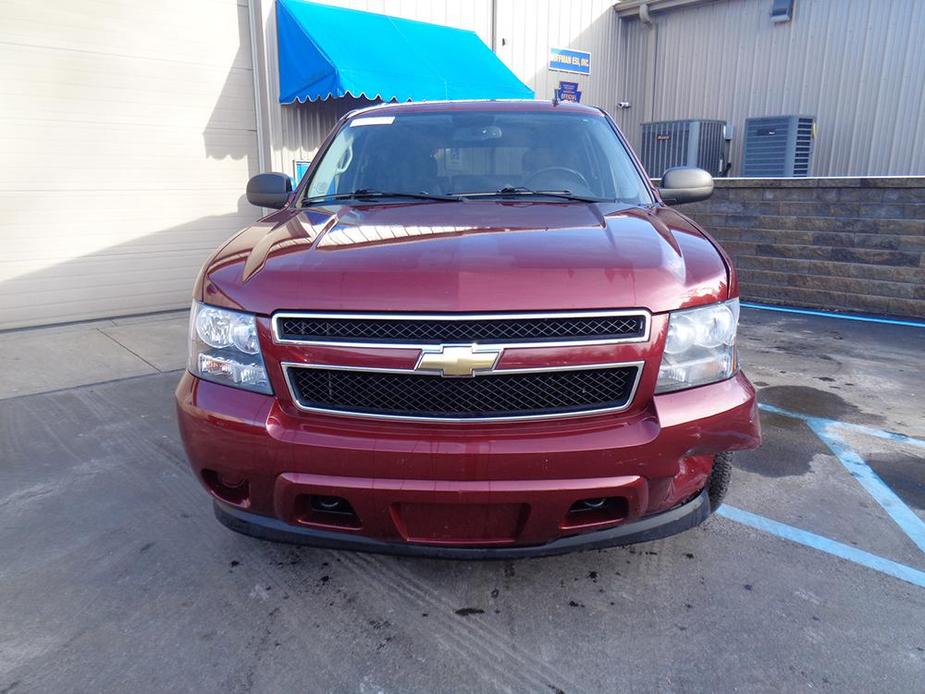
(458, 360)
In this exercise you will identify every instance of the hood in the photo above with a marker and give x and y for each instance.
(467, 256)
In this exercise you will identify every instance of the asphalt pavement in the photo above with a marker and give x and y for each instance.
(115, 577)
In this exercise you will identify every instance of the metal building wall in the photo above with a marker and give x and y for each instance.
(527, 29)
(524, 31)
(630, 83)
(857, 65)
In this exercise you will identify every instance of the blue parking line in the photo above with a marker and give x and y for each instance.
(833, 314)
(781, 411)
(901, 514)
(823, 544)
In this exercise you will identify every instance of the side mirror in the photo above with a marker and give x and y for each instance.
(269, 190)
(685, 184)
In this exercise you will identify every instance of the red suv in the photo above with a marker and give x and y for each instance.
(474, 330)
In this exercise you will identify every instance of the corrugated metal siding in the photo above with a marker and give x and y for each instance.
(527, 29)
(858, 66)
(630, 83)
(127, 135)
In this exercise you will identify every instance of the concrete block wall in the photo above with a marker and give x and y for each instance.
(838, 244)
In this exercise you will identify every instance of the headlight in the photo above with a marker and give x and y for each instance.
(700, 347)
(224, 348)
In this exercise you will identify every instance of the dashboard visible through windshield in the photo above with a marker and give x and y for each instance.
(478, 154)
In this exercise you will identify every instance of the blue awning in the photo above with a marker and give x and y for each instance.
(330, 52)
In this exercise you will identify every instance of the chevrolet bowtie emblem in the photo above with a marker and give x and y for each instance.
(457, 360)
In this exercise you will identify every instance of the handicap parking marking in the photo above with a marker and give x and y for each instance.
(901, 514)
(829, 431)
(824, 544)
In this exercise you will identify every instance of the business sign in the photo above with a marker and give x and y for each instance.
(567, 60)
(568, 91)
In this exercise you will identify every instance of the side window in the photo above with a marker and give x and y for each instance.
(600, 174)
(336, 162)
(625, 182)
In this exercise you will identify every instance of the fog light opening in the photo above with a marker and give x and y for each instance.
(596, 511)
(592, 503)
(317, 509)
(227, 486)
(331, 504)
(231, 481)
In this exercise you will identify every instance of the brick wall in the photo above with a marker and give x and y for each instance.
(841, 244)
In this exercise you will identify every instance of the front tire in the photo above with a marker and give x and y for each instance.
(718, 483)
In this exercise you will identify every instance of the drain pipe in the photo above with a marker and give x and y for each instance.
(255, 24)
(648, 102)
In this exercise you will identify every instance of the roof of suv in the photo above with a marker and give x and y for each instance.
(532, 105)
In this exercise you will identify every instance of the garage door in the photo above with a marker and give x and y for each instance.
(127, 135)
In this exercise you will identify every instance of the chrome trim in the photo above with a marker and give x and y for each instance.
(274, 323)
(455, 420)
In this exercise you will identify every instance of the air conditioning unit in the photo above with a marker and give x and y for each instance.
(778, 146)
(671, 143)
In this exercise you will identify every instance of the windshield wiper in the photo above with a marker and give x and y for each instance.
(520, 190)
(367, 193)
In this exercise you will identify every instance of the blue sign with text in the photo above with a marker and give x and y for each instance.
(567, 60)
(568, 91)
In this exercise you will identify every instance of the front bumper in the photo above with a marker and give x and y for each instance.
(679, 519)
(462, 490)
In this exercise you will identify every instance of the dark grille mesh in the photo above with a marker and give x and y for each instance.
(442, 331)
(543, 392)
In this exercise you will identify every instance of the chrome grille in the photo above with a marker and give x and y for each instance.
(426, 330)
(491, 396)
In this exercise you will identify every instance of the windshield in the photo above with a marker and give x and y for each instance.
(479, 153)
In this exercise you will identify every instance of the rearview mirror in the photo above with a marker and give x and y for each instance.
(269, 190)
(683, 184)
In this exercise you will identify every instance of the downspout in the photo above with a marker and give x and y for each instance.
(494, 26)
(648, 102)
(255, 22)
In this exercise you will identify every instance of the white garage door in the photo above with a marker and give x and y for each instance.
(127, 135)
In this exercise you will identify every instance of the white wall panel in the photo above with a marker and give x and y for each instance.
(127, 135)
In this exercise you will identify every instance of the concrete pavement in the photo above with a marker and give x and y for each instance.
(115, 577)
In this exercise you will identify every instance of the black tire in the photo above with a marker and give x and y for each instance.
(718, 484)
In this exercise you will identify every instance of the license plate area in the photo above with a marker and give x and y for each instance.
(460, 524)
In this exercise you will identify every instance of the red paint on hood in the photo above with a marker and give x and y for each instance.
(467, 256)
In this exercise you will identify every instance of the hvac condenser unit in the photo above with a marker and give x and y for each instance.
(683, 143)
(778, 146)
